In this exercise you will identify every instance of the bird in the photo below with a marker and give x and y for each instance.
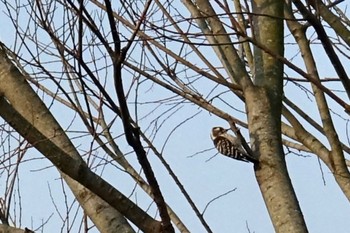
(229, 145)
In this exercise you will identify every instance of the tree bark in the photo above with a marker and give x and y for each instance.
(271, 172)
(264, 106)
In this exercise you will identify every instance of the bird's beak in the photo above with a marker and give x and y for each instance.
(227, 130)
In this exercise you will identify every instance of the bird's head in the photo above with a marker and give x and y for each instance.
(217, 131)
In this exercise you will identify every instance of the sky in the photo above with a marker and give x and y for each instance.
(205, 177)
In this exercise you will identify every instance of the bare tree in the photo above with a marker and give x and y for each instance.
(125, 70)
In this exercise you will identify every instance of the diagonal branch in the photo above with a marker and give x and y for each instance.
(132, 132)
(327, 45)
(76, 169)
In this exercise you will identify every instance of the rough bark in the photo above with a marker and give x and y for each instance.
(271, 172)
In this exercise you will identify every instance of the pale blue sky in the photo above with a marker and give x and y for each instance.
(325, 208)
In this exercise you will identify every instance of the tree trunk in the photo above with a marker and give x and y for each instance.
(264, 106)
(271, 172)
